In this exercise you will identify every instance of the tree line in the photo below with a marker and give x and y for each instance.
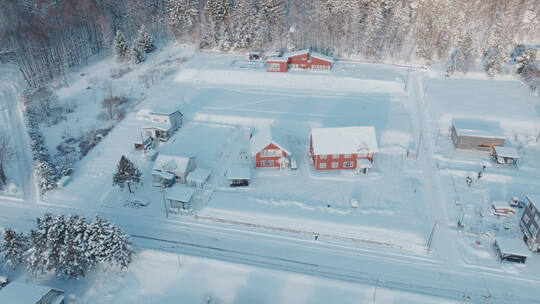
(48, 37)
(69, 246)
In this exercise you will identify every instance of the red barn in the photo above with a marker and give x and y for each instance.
(277, 64)
(267, 152)
(346, 148)
(303, 59)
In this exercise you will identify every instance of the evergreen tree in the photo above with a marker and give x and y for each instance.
(121, 48)
(126, 173)
(75, 260)
(137, 54)
(494, 62)
(243, 23)
(34, 257)
(182, 15)
(144, 40)
(13, 248)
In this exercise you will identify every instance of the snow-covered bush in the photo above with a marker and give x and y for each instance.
(69, 246)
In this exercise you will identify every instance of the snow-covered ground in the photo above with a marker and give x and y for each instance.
(402, 201)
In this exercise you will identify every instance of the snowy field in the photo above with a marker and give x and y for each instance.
(408, 206)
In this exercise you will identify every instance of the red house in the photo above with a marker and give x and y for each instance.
(303, 59)
(267, 152)
(347, 148)
(277, 64)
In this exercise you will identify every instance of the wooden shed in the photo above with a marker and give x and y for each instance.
(476, 134)
(511, 249)
(505, 155)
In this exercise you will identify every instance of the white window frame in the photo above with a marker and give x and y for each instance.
(267, 163)
(526, 218)
(348, 155)
(335, 165)
(270, 152)
(348, 164)
(335, 156)
(322, 166)
(322, 156)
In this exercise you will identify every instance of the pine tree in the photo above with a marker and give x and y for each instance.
(242, 23)
(75, 260)
(34, 256)
(121, 49)
(182, 15)
(13, 248)
(144, 40)
(120, 252)
(137, 54)
(494, 62)
(126, 173)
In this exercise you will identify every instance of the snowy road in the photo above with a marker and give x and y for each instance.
(302, 255)
(11, 120)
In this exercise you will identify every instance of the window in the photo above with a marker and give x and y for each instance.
(267, 163)
(537, 219)
(323, 156)
(335, 156)
(335, 165)
(273, 67)
(322, 165)
(347, 156)
(526, 218)
(348, 164)
(270, 152)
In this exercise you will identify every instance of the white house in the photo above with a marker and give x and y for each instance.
(198, 178)
(164, 123)
(23, 293)
(180, 196)
(179, 166)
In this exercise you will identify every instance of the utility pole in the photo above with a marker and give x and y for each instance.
(430, 240)
(375, 291)
(418, 147)
(465, 298)
(164, 202)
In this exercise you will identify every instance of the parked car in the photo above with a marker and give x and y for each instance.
(294, 166)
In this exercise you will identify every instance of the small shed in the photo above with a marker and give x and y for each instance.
(254, 55)
(476, 134)
(511, 249)
(238, 176)
(24, 293)
(198, 178)
(505, 155)
(180, 197)
(143, 142)
(363, 165)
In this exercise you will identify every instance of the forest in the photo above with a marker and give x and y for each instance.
(48, 38)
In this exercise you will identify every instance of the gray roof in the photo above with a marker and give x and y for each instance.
(180, 193)
(478, 128)
(164, 112)
(22, 293)
(513, 246)
(506, 152)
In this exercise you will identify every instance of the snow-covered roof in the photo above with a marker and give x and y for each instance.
(264, 137)
(199, 175)
(159, 125)
(478, 128)
(19, 292)
(322, 57)
(163, 174)
(514, 246)
(277, 59)
(238, 173)
(500, 205)
(273, 54)
(364, 163)
(254, 52)
(506, 152)
(171, 163)
(345, 140)
(296, 53)
(180, 193)
(164, 112)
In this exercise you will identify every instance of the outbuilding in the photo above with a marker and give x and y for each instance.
(254, 55)
(476, 134)
(267, 149)
(180, 196)
(198, 178)
(511, 249)
(346, 148)
(179, 166)
(319, 61)
(505, 155)
(238, 176)
(24, 293)
(502, 208)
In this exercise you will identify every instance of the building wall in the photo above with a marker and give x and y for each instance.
(475, 143)
(319, 64)
(340, 160)
(259, 159)
(283, 66)
(530, 223)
